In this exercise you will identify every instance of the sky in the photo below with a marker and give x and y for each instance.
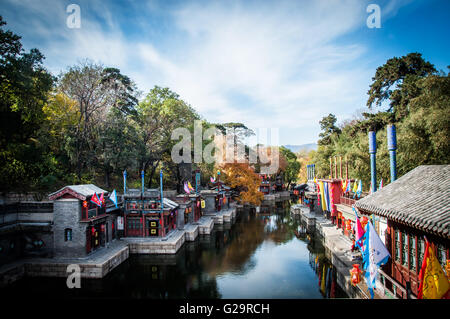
(274, 65)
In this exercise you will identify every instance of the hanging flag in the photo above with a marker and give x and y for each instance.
(95, 200)
(102, 199)
(359, 232)
(322, 196)
(375, 255)
(359, 190)
(190, 186)
(434, 284)
(213, 180)
(355, 188)
(349, 184)
(327, 196)
(186, 188)
(381, 184)
(344, 185)
(113, 197)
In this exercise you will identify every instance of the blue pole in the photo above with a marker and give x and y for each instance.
(124, 181)
(373, 153)
(142, 181)
(392, 147)
(161, 186)
(197, 181)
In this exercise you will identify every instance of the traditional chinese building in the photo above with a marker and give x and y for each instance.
(146, 216)
(406, 211)
(264, 187)
(190, 208)
(219, 194)
(79, 225)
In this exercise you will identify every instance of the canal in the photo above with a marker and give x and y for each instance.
(263, 255)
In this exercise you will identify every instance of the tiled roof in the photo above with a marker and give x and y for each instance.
(81, 192)
(419, 199)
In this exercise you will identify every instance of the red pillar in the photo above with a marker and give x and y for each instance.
(163, 233)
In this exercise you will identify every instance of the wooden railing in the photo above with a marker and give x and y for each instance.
(347, 200)
(393, 287)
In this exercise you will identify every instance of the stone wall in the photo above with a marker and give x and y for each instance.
(67, 213)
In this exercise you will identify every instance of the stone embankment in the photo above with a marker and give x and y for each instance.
(99, 263)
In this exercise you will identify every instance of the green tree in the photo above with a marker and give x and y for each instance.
(328, 127)
(24, 88)
(290, 173)
(396, 81)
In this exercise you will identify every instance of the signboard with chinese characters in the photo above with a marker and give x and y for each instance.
(119, 223)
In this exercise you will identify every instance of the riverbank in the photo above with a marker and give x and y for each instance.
(101, 262)
(337, 248)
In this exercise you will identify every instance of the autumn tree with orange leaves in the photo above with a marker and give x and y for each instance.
(243, 178)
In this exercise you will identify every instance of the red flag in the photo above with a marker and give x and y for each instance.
(102, 200)
(95, 200)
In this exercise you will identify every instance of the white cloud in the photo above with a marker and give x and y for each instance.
(277, 64)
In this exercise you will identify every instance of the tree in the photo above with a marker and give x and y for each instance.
(242, 178)
(96, 90)
(328, 127)
(157, 116)
(400, 73)
(24, 87)
(292, 169)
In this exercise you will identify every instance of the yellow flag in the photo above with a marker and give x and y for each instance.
(324, 273)
(434, 284)
(322, 196)
(355, 186)
(344, 185)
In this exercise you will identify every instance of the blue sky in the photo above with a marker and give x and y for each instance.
(268, 64)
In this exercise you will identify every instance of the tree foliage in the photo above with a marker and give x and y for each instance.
(419, 105)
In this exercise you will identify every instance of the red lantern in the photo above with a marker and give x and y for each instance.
(85, 204)
(355, 274)
(364, 221)
(102, 227)
(349, 224)
(93, 231)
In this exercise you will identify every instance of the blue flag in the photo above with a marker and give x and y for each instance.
(113, 197)
(375, 254)
(359, 190)
(327, 196)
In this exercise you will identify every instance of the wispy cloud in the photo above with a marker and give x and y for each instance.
(267, 64)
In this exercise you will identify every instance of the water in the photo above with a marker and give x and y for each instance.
(265, 255)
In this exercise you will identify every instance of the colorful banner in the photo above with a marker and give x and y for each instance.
(434, 284)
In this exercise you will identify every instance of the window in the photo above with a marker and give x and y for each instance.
(421, 251)
(397, 244)
(412, 252)
(68, 234)
(442, 255)
(404, 249)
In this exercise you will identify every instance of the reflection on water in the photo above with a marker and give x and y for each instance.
(263, 255)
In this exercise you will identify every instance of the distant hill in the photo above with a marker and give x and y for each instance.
(303, 147)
